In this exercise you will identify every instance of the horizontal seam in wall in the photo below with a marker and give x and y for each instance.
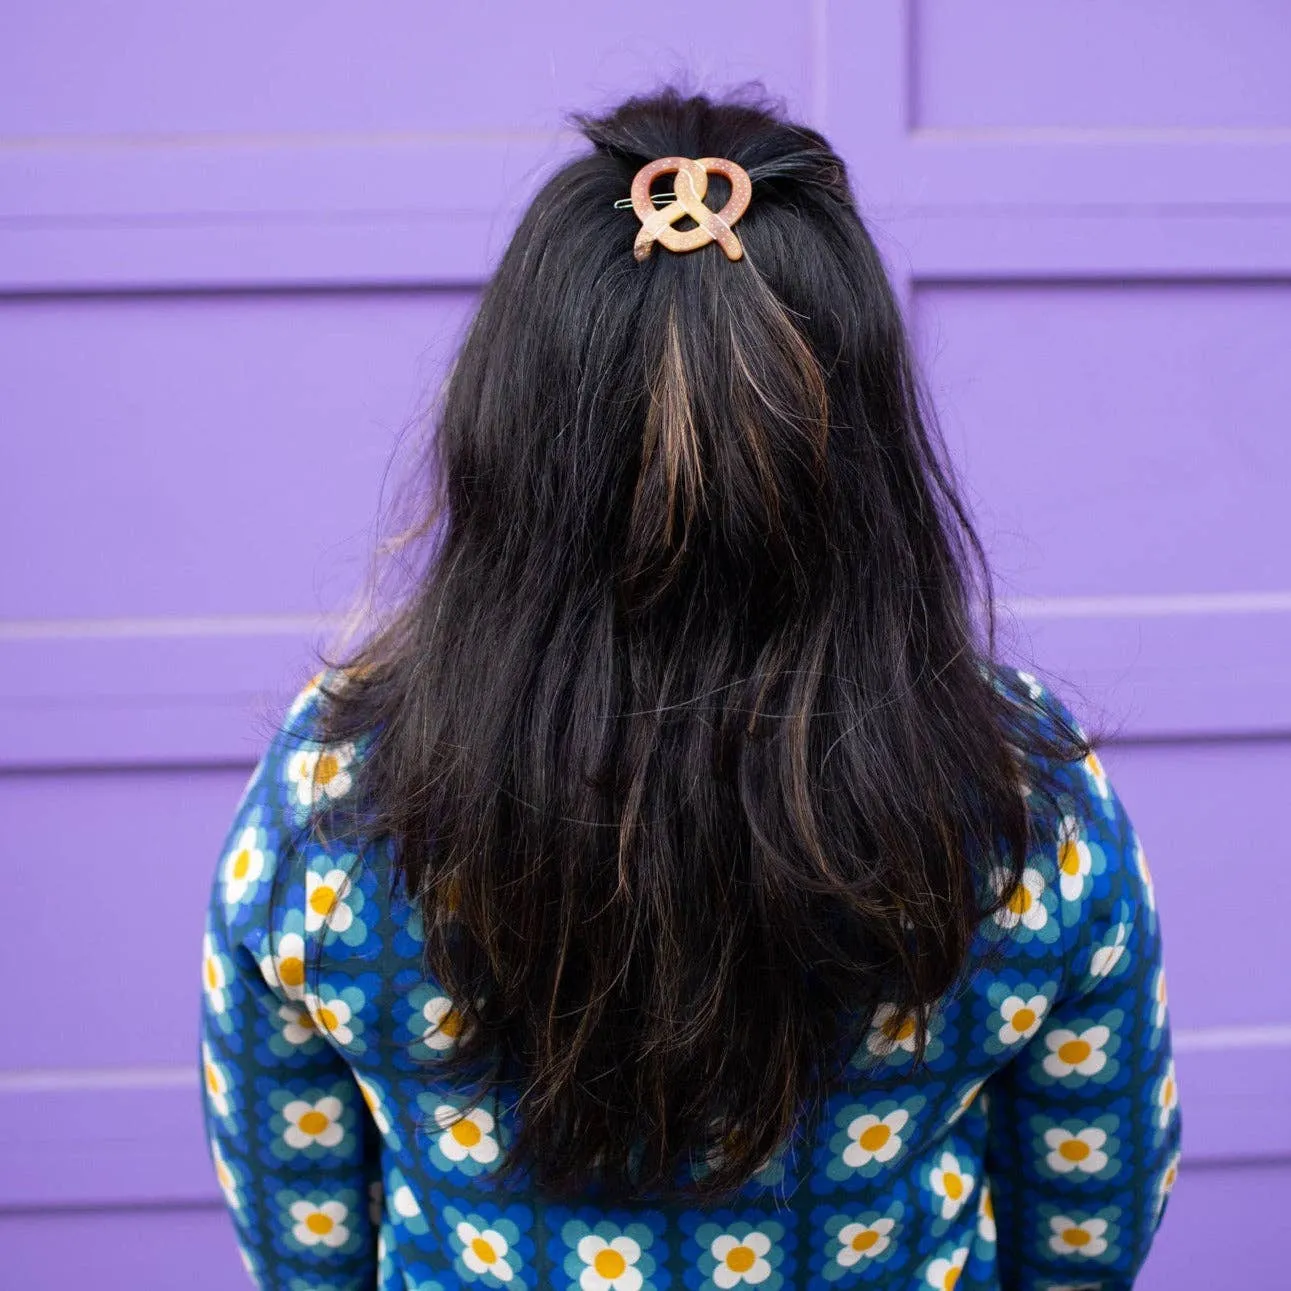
(1134, 605)
(70, 1079)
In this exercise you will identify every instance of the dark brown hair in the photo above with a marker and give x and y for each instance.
(689, 736)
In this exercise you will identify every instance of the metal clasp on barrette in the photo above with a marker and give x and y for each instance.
(625, 203)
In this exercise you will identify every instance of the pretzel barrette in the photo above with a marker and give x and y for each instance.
(688, 199)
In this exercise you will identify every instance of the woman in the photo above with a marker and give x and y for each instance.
(676, 892)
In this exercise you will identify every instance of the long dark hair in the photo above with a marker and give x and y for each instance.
(688, 736)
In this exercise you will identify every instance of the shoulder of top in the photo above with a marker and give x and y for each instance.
(302, 723)
(1039, 700)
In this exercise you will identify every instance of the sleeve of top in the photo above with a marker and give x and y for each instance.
(1084, 1122)
(294, 1150)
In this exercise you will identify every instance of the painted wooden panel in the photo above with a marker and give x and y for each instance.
(1110, 432)
(210, 454)
(328, 69)
(1098, 65)
(117, 869)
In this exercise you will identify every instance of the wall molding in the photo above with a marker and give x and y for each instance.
(207, 691)
(104, 1139)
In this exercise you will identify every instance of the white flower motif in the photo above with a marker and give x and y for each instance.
(308, 1122)
(1165, 1185)
(1074, 860)
(1145, 873)
(891, 1031)
(609, 1266)
(1079, 1153)
(332, 1018)
(320, 1225)
(243, 865)
(740, 1259)
(1022, 1015)
(325, 901)
(306, 695)
(1094, 769)
(1067, 1237)
(317, 774)
(1034, 688)
(468, 1134)
(224, 1176)
(943, 1274)
(1108, 955)
(443, 1024)
(216, 1082)
(214, 979)
(404, 1203)
(1167, 1096)
(484, 1251)
(372, 1097)
(297, 1026)
(986, 1214)
(1160, 998)
(284, 968)
(1081, 1052)
(952, 1183)
(967, 1099)
(858, 1242)
(874, 1138)
(1025, 905)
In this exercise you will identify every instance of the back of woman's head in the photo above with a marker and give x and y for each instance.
(686, 740)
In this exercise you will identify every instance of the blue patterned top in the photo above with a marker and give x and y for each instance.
(1035, 1148)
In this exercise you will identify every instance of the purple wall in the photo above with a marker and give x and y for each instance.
(235, 252)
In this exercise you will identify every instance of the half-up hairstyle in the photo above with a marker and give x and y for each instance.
(689, 737)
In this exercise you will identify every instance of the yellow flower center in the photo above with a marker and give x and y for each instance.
(467, 1133)
(898, 1030)
(1069, 857)
(952, 1278)
(1020, 899)
(484, 1251)
(1074, 1052)
(322, 899)
(451, 1024)
(212, 1079)
(327, 1018)
(1076, 1237)
(863, 1240)
(291, 971)
(1023, 1019)
(313, 1122)
(609, 1264)
(1074, 1150)
(874, 1137)
(212, 974)
(319, 1223)
(1095, 766)
(988, 1206)
(328, 766)
(954, 1185)
(1167, 1092)
(241, 864)
(740, 1259)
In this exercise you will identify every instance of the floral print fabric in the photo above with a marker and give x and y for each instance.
(1034, 1149)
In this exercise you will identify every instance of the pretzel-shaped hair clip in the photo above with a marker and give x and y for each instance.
(691, 185)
